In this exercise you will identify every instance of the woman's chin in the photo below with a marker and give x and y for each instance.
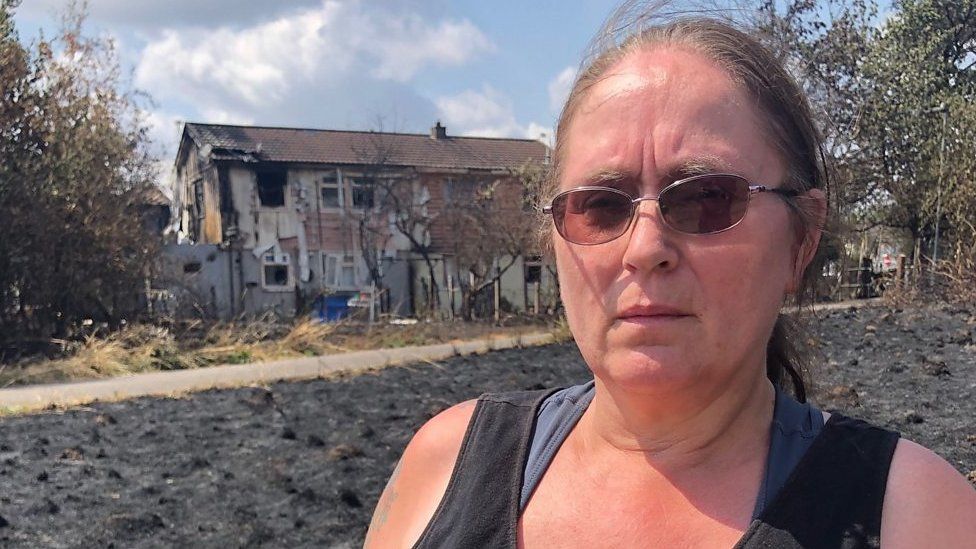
(647, 369)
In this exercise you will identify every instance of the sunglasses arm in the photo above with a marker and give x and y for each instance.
(753, 189)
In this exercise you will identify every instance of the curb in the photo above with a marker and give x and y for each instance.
(856, 304)
(36, 397)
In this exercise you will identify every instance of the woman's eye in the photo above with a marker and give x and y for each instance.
(712, 194)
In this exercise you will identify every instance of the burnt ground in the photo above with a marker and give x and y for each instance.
(302, 463)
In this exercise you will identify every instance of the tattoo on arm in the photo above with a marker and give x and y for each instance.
(383, 506)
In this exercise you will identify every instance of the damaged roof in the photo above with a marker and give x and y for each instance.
(269, 144)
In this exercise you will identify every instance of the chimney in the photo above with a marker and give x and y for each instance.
(438, 131)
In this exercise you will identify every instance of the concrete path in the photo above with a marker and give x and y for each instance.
(35, 397)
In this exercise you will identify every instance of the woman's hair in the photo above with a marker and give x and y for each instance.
(784, 111)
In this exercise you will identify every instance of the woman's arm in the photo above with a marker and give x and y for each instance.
(420, 480)
(927, 502)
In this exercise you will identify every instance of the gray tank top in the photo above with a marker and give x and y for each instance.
(793, 429)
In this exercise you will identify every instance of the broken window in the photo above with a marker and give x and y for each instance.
(276, 271)
(330, 191)
(363, 189)
(276, 275)
(271, 187)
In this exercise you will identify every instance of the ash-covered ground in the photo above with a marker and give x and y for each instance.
(302, 464)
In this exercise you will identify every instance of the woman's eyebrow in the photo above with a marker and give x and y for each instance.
(698, 165)
(605, 178)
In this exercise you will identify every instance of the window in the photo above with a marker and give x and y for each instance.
(347, 272)
(198, 196)
(271, 187)
(276, 275)
(363, 189)
(275, 271)
(339, 271)
(329, 189)
(533, 269)
(459, 190)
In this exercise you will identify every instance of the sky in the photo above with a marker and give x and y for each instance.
(497, 68)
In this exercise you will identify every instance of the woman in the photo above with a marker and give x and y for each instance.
(688, 204)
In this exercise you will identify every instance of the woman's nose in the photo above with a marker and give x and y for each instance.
(650, 243)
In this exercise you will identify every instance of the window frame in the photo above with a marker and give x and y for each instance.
(266, 172)
(332, 277)
(272, 259)
(331, 180)
(358, 182)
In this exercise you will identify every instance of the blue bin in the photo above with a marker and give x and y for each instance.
(336, 308)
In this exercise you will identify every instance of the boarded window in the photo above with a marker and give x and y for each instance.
(271, 187)
(329, 190)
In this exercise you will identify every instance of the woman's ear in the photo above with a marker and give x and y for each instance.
(814, 205)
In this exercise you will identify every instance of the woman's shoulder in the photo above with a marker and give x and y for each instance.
(420, 479)
(927, 502)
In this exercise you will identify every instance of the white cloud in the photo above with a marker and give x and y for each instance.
(403, 46)
(485, 113)
(152, 15)
(539, 132)
(340, 64)
(261, 63)
(559, 88)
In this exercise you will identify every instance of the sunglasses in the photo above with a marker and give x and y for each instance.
(703, 204)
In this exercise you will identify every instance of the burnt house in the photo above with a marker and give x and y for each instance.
(293, 215)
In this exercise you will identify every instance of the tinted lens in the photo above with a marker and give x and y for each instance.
(705, 204)
(592, 216)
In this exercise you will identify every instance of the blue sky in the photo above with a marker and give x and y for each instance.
(497, 68)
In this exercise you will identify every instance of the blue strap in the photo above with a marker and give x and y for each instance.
(793, 429)
(555, 418)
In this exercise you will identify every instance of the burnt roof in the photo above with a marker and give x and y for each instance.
(300, 145)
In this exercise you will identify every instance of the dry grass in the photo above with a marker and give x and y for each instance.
(954, 282)
(145, 348)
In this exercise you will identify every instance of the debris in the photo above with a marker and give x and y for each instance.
(914, 417)
(315, 441)
(75, 453)
(343, 452)
(308, 495)
(935, 366)
(105, 419)
(350, 498)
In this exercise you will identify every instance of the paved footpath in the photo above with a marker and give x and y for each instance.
(35, 397)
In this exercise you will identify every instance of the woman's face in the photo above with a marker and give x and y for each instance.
(656, 309)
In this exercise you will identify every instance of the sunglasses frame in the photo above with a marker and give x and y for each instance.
(634, 202)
